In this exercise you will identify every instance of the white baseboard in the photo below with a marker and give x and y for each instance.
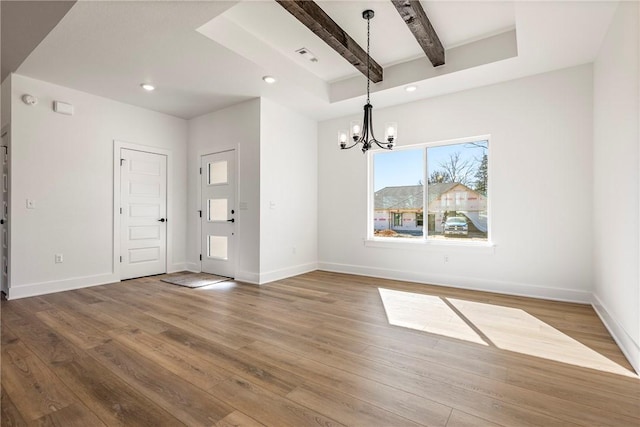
(43, 288)
(176, 267)
(248, 277)
(193, 267)
(501, 287)
(283, 273)
(629, 347)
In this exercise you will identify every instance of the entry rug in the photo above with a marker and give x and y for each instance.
(194, 280)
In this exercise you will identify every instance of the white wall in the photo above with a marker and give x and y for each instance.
(236, 127)
(617, 181)
(288, 192)
(540, 158)
(5, 102)
(65, 164)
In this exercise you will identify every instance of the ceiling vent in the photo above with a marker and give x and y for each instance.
(307, 54)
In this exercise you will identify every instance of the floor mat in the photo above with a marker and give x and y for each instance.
(194, 280)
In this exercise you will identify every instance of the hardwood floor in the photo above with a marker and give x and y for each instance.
(321, 349)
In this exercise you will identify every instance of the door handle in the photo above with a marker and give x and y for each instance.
(231, 220)
(162, 220)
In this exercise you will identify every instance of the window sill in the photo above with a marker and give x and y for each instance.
(431, 245)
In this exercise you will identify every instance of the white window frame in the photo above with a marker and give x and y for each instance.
(425, 243)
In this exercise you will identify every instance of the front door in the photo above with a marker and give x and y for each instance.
(4, 215)
(143, 226)
(218, 213)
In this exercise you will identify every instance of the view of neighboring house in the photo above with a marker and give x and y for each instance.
(402, 208)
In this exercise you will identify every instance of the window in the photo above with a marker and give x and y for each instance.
(448, 180)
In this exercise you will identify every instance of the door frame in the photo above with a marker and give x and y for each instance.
(117, 146)
(6, 285)
(236, 249)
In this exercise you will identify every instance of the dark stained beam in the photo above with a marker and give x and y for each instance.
(314, 18)
(416, 19)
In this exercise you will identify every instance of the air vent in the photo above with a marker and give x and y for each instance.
(307, 54)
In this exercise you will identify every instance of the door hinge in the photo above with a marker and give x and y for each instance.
(120, 211)
(200, 171)
(121, 162)
(120, 258)
(200, 257)
(200, 214)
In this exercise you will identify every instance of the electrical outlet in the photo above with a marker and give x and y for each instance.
(446, 259)
(294, 250)
(59, 258)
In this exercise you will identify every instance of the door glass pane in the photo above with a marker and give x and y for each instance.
(217, 173)
(217, 247)
(217, 210)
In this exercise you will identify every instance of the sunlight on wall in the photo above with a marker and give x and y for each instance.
(502, 327)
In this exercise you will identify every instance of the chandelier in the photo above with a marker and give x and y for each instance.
(363, 134)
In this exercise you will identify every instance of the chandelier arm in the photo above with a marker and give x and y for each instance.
(369, 119)
(352, 145)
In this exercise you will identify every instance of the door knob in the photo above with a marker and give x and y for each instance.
(231, 220)
(162, 220)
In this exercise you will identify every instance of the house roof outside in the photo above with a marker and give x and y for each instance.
(410, 196)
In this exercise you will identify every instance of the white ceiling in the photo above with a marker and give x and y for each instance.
(206, 55)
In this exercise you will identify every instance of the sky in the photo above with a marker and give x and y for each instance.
(405, 167)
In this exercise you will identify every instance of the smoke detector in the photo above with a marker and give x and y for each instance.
(29, 99)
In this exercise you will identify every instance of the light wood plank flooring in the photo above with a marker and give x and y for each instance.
(320, 349)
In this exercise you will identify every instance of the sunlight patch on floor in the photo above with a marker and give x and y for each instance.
(425, 313)
(220, 286)
(506, 328)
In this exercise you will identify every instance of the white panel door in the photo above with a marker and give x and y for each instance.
(143, 225)
(218, 213)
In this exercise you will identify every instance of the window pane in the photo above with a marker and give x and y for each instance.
(398, 178)
(217, 247)
(217, 172)
(457, 191)
(217, 210)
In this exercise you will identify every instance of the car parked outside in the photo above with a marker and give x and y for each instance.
(456, 226)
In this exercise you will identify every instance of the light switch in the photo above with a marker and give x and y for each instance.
(31, 204)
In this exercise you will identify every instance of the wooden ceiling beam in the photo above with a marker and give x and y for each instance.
(416, 19)
(314, 18)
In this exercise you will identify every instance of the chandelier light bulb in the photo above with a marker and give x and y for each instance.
(342, 137)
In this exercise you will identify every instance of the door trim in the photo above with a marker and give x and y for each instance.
(117, 146)
(5, 285)
(198, 206)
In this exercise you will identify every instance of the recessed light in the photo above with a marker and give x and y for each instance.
(147, 86)
(411, 88)
(269, 79)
